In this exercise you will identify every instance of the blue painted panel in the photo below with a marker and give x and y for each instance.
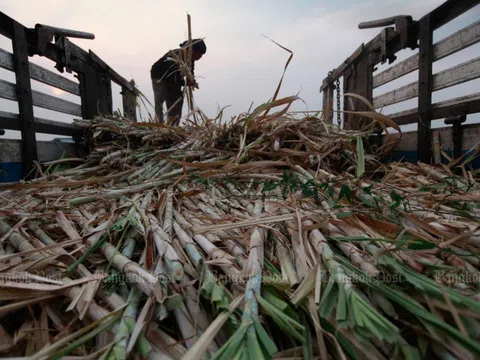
(11, 171)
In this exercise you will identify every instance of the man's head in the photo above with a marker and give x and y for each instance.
(198, 48)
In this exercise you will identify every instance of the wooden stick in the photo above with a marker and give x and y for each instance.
(190, 51)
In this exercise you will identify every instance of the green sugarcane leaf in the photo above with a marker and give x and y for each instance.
(472, 326)
(368, 317)
(431, 287)
(265, 340)
(143, 346)
(360, 157)
(421, 245)
(344, 214)
(217, 292)
(365, 199)
(344, 342)
(345, 192)
(287, 324)
(342, 308)
(174, 301)
(397, 200)
(308, 346)
(412, 306)
(368, 189)
(384, 304)
(275, 300)
(123, 223)
(241, 352)
(402, 242)
(89, 252)
(270, 185)
(373, 329)
(357, 313)
(208, 285)
(82, 340)
(376, 318)
(423, 344)
(271, 268)
(254, 348)
(329, 299)
(410, 353)
(230, 348)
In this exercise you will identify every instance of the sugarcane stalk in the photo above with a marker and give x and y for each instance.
(137, 275)
(127, 251)
(126, 326)
(225, 259)
(168, 219)
(356, 256)
(161, 273)
(286, 264)
(199, 316)
(184, 322)
(18, 241)
(210, 281)
(165, 250)
(188, 245)
(247, 204)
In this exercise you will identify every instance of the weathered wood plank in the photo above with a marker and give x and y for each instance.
(357, 82)
(8, 91)
(41, 74)
(129, 100)
(408, 140)
(113, 75)
(460, 40)
(449, 10)
(23, 92)
(11, 121)
(469, 104)
(467, 71)
(425, 89)
(328, 104)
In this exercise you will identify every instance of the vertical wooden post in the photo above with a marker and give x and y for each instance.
(95, 92)
(328, 104)
(129, 100)
(424, 135)
(360, 82)
(24, 98)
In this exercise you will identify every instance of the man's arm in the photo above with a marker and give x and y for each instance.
(193, 82)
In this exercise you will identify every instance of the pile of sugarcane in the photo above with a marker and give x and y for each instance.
(267, 237)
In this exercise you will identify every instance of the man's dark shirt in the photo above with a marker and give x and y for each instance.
(168, 70)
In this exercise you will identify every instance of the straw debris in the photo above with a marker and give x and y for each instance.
(265, 237)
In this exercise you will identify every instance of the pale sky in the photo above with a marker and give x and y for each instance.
(241, 66)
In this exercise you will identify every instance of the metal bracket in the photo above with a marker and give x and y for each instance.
(404, 25)
(382, 22)
(64, 64)
(385, 53)
(45, 34)
(457, 133)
